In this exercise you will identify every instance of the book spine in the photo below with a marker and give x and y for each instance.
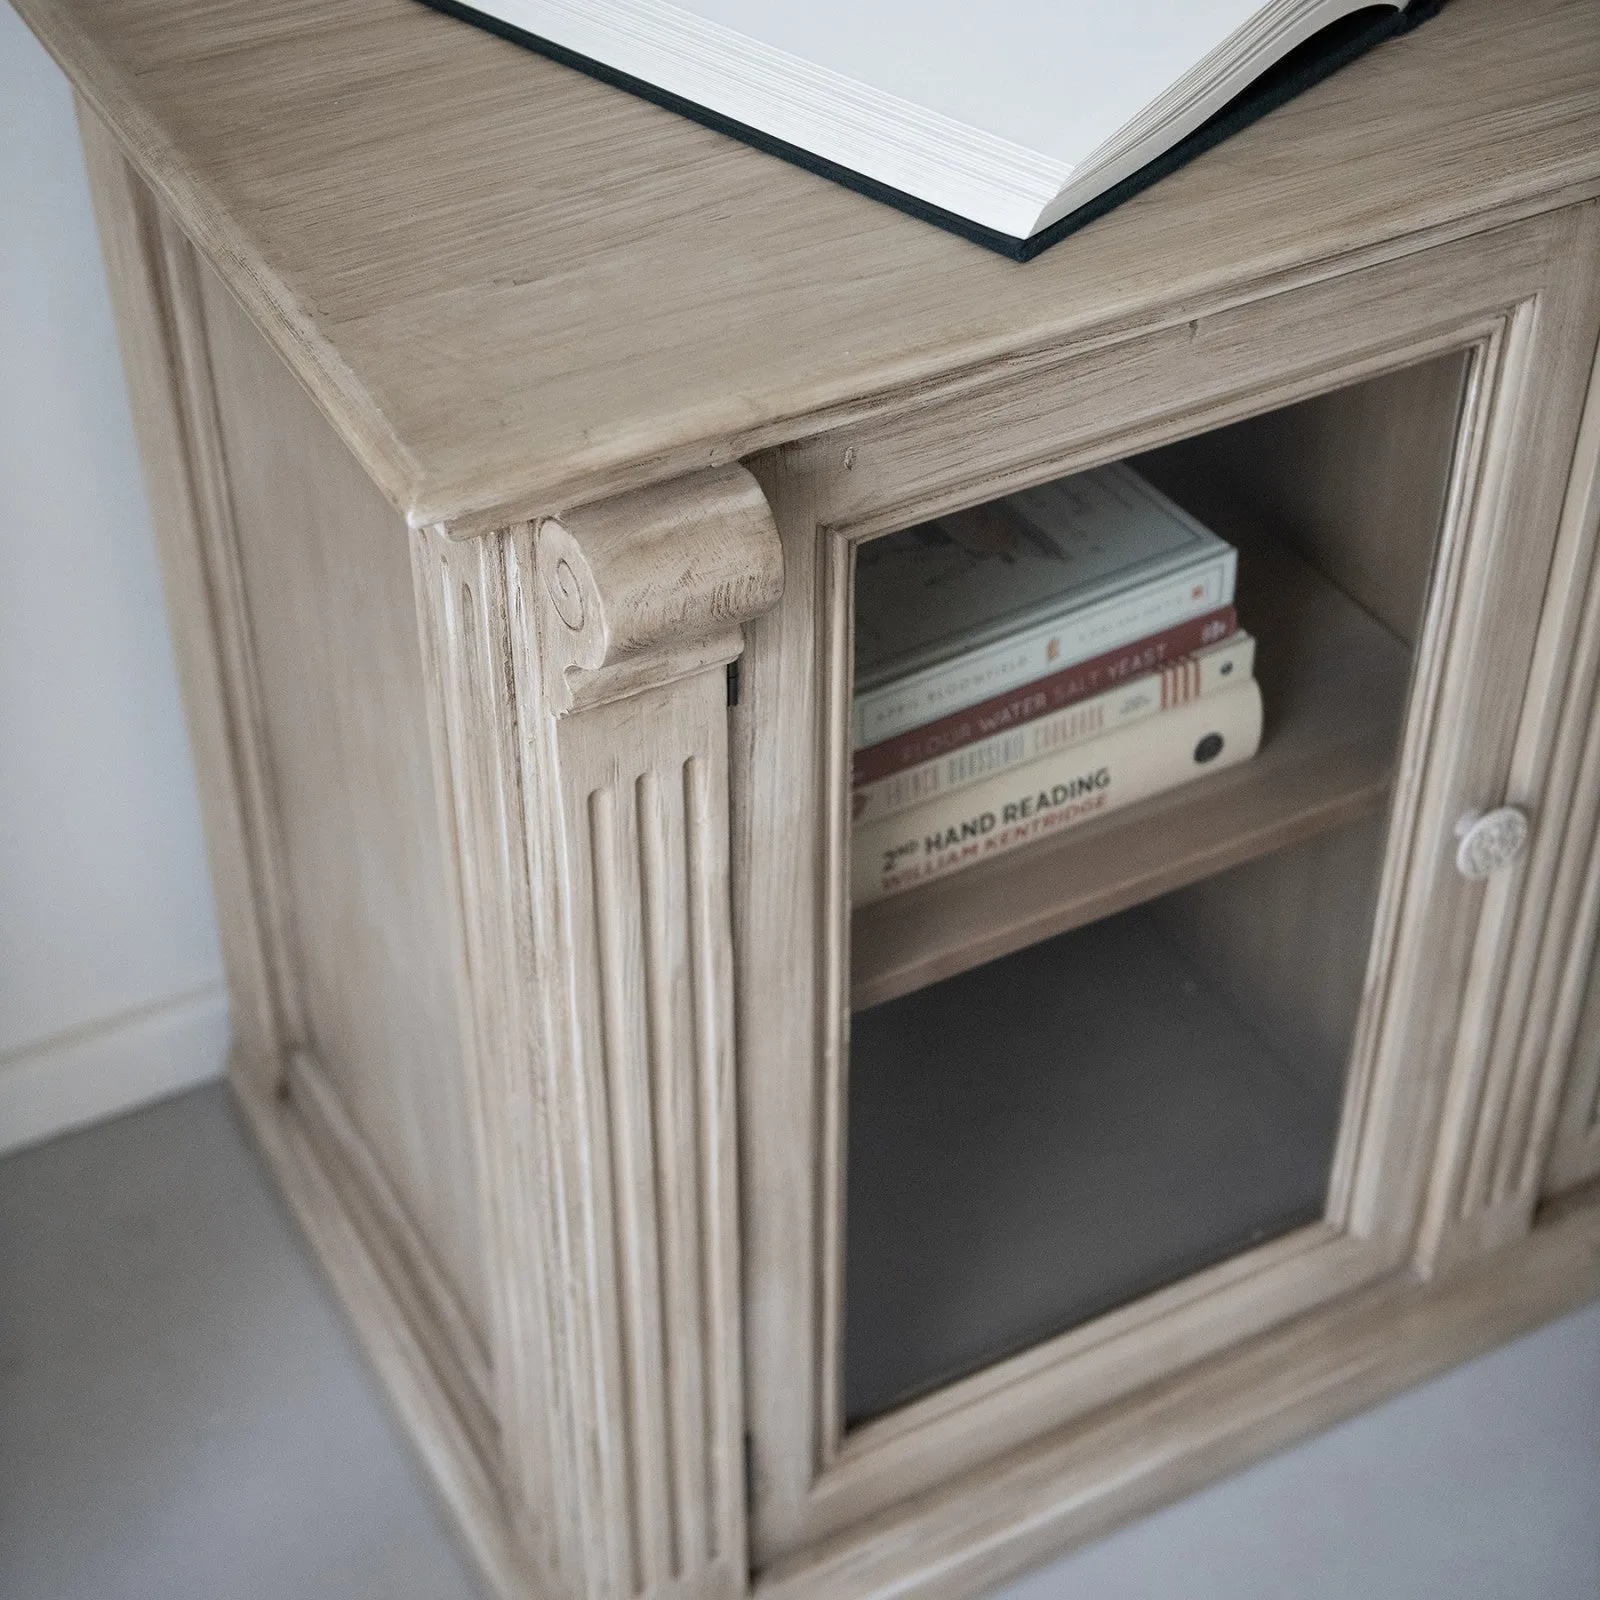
(1036, 733)
(1041, 649)
(1064, 688)
(1060, 791)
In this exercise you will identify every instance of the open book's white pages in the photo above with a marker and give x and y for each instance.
(1010, 114)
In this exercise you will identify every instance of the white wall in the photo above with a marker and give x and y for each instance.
(110, 980)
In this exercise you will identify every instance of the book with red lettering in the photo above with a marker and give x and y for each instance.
(980, 603)
(1072, 685)
(1059, 791)
(1027, 729)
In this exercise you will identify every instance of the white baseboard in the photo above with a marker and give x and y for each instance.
(113, 1066)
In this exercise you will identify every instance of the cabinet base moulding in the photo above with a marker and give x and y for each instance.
(410, 1355)
(1145, 1452)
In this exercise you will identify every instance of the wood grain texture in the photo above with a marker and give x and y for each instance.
(582, 758)
(324, 581)
(649, 894)
(1570, 966)
(654, 585)
(498, 881)
(1575, 1157)
(1038, 420)
(644, 787)
(432, 1308)
(513, 288)
(1510, 1060)
(788, 1066)
(1535, 1036)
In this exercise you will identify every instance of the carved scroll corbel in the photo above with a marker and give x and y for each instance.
(653, 586)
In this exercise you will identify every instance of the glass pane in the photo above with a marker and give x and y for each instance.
(1107, 955)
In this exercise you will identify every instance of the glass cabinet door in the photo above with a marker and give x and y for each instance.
(1090, 1061)
(1109, 977)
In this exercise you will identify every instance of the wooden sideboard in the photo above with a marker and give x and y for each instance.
(510, 442)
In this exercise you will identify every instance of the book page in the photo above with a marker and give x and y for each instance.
(1058, 77)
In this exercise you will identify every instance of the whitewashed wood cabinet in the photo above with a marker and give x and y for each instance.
(511, 445)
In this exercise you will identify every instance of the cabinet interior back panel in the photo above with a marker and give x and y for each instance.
(1046, 1137)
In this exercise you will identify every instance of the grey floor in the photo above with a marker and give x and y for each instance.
(183, 1415)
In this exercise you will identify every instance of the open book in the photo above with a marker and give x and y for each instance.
(1010, 122)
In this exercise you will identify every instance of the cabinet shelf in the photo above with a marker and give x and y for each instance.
(1333, 681)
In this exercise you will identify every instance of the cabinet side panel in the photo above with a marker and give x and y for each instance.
(326, 576)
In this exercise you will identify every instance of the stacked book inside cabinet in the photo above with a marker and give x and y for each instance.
(1032, 751)
(1030, 664)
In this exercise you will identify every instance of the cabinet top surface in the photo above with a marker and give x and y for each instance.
(513, 288)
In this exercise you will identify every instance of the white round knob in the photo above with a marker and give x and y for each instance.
(1490, 841)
